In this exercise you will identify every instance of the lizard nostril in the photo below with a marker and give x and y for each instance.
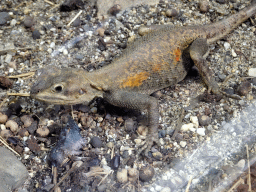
(58, 88)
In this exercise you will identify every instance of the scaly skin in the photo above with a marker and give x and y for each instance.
(159, 59)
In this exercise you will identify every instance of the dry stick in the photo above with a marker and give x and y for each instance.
(103, 179)
(6, 144)
(51, 3)
(189, 183)
(21, 75)
(249, 170)
(239, 182)
(74, 18)
(19, 94)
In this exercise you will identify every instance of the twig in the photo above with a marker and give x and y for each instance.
(22, 75)
(19, 94)
(189, 183)
(49, 2)
(239, 182)
(103, 179)
(77, 15)
(249, 170)
(6, 144)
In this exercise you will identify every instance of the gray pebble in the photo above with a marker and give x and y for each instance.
(77, 22)
(204, 120)
(221, 1)
(204, 6)
(12, 172)
(129, 125)
(96, 142)
(4, 17)
(36, 34)
(146, 173)
(28, 21)
(171, 13)
(244, 88)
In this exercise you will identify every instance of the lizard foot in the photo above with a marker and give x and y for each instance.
(218, 91)
(147, 144)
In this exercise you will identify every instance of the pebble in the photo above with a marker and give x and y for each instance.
(115, 162)
(204, 6)
(146, 173)
(96, 142)
(244, 88)
(157, 155)
(171, 13)
(65, 52)
(6, 133)
(26, 120)
(226, 45)
(115, 9)
(194, 120)
(233, 53)
(252, 72)
(3, 118)
(166, 189)
(183, 144)
(43, 131)
(101, 31)
(187, 127)
(13, 22)
(2, 127)
(240, 165)
(76, 23)
(204, 120)
(4, 17)
(52, 45)
(129, 125)
(122, 176)
(36, 34)
(8, 58)
(221, 1)
(142, 130)
(28, 21)
(14, 172)
(94, 110)
(12, 125)
(201, 131)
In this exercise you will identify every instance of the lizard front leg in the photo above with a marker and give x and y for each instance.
(134, 100)
(197, 51)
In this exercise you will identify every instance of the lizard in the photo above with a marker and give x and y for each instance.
(159, 59)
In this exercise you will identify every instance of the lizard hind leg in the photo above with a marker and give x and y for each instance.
(198, 49)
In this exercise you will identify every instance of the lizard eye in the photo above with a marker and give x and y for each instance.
(58, 88)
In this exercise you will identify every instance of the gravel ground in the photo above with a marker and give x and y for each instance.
(35, 34)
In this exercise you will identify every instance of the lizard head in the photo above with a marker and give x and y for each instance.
(63, 87)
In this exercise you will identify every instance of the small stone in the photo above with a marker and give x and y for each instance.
(221, 1)
(166, 189)
(204, 120)
(101, 31)
(171, 13)
(96, 142)
(129, 125)
(240, 165)
(115, 162)
(115, 9)
(23, 133)
(157, 155)
(8, 58)
(27, 120)
(233, 53)
(36, 34)
(244, 88)
(13, 22)
(187, 127)
(94, 110)
(2, 127)
(65, 52)
(76, 23)
(52, 45)
(142, 130)
(122, 176)
(162, 133)
(183, 144)
(29, 21)
(6, 133)
(146, 173)
(143, 30)
(252, 72)
(3, 118)
(201, 131)
(110, 145)
(226, 45)
(43, 131)
(4, 17)
(204, 6)
(132, 172)
(12, 125)
(120, 119)
(194, 120)
(137, 141)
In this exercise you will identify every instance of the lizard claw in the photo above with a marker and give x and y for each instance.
(146, 146)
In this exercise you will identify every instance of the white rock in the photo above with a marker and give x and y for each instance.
(201, 131)
(186, 127)
(233, 53)
(252, 72)
(158, 188)
(65, 52)
(13, 22)
(122, 176)
(183, 144)
(8, 58)
(226, 45)
(241, 164)
(194, 120)
(166, 189)
(52, 45)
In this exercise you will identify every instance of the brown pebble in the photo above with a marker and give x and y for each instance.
(204, 6)
(129, 125)
(244, 88)
(5, 82)
(23, 132)
(146, 173)
(43, 131)
(33, 145)
(5, 133)
(133, 175)
(143, 30)
(101, 31)
(29, 21)
(12, 125)
(171, 13)
(204, 120)
(115, 9)
(142, 130)
(120, 119)
(27, 120)
(3, 118)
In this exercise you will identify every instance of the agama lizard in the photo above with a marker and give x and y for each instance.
(155, 61)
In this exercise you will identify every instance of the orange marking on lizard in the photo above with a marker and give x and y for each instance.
(135, 80)
(177, 54)
(156, 67)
